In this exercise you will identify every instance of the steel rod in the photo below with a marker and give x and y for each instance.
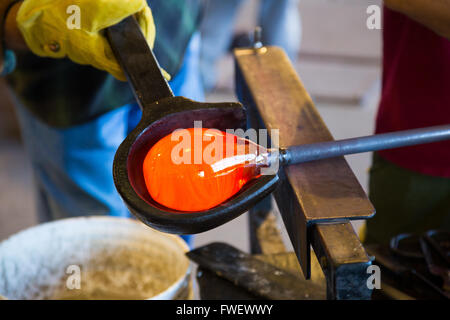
(330, 149)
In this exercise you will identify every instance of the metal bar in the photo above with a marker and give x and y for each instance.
(265, 236)
(343, 260)
(308, 193)
(257, 215)
(138, 62)
(323, 150)
(257, 276)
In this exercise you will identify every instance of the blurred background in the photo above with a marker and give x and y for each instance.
(339, 63)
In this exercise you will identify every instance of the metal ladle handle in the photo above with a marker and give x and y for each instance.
(138, 62)
(331, 149)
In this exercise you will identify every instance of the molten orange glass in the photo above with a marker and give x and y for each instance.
(197, 169)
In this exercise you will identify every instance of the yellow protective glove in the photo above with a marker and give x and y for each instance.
(45, 28)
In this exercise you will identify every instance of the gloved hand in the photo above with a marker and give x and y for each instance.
(43, 24)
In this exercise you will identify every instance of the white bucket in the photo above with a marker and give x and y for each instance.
(94, 258)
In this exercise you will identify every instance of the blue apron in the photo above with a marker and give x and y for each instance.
(73, 166)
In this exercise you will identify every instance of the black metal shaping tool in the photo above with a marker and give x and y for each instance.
(258, 277)
(163, 113)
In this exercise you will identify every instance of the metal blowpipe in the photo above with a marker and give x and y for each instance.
(331, 149)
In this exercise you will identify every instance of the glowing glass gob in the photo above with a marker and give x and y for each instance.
(197, 169)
